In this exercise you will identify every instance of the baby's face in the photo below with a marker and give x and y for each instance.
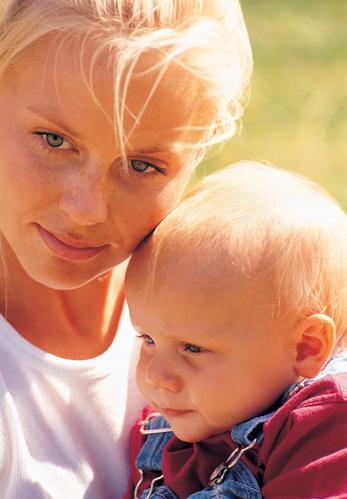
(210, 357)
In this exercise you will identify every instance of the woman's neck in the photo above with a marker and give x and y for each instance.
(74, 324)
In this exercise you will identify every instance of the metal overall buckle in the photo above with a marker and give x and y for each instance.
(219, 473)
(149, 431)
(299, 386)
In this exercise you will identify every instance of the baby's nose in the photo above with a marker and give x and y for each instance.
(162, 374)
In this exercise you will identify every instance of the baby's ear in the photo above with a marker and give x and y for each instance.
(315, 340)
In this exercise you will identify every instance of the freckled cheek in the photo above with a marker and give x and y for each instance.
(136, 213)
(161, 203)
(26, 176)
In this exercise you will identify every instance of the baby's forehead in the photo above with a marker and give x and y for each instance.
(197, 287)
(188, 264)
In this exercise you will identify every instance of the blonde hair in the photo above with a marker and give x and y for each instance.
(274, 226)
(208, 38)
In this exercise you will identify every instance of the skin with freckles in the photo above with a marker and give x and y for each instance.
(69, 210)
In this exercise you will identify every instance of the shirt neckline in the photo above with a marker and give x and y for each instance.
(96, 366)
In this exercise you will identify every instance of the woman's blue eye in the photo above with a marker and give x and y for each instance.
(141, 166)
(55, 140)
(193, 348)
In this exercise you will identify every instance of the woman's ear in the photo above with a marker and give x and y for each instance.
(315, 340)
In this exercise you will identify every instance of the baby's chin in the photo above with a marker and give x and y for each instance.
(197, 434)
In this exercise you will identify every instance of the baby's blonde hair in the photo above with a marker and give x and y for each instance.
(207, 38)
(275, 227)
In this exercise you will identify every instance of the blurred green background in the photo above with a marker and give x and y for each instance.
(297, 114)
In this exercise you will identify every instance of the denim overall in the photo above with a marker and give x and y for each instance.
(232, 479)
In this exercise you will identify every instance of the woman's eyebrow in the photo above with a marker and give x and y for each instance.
(56, 118)
(53, 117)
(148, 150)
(161, 147)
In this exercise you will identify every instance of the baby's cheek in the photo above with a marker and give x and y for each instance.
(140, 374)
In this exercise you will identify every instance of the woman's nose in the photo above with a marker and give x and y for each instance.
(84, 200)
(162, 373)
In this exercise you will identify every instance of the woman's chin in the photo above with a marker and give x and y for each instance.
(64, 277)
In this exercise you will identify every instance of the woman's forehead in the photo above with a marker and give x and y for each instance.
(61, 75)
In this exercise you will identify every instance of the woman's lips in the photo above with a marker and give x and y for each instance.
(76, 250)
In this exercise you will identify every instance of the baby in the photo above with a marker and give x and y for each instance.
(243, 325)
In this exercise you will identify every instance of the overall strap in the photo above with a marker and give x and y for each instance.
(158, 433)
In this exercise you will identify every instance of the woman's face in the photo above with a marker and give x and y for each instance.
(69, 210)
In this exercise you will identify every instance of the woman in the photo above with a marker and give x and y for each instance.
(106, 107)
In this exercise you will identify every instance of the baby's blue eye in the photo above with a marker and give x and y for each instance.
(147, 339)
(141, 166)
(193, 348)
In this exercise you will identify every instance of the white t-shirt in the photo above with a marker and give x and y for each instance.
(64, 424)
